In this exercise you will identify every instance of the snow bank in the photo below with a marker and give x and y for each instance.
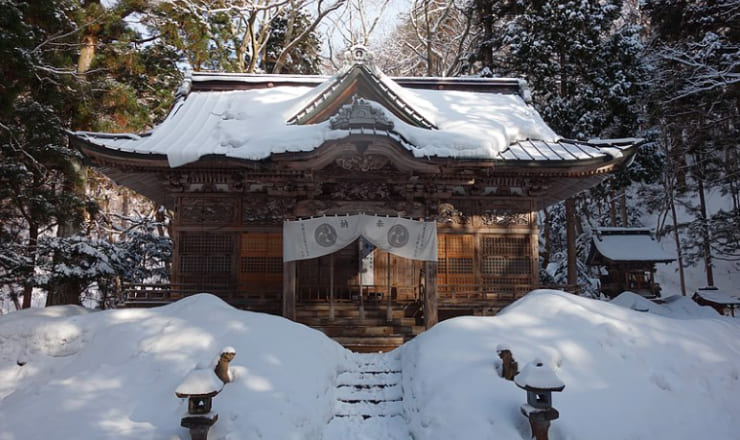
(627, 374)
(113, 374)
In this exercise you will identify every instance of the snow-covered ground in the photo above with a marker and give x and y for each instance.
(67, 373)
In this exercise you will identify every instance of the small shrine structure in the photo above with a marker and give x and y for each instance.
(628, 257)
(439, 180)
(723, 301)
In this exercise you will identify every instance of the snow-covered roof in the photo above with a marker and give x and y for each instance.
(718, 296)
(255, 116)
(629, 244)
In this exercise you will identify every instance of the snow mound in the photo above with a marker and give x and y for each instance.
(120, 370)
(685, 307)
(639, 303)
(675, 306)
(627, 375)
(113, 374)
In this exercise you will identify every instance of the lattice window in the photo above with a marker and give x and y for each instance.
(503, 266)
(506, 246)
(207, 243)
(261, 265)
(205, 263)
(459, 265)
(506, 264)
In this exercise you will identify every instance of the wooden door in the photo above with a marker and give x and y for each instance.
(261, 264)
(455, 263)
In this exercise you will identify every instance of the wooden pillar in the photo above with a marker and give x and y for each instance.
(430, 297)
(389, 306)
(331, 288)
(289, 287)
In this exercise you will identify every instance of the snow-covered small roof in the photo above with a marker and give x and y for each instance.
(253, 117)
(629, 244)
(200, 382)
(719, 296)
(537, 376)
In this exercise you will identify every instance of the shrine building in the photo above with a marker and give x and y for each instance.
(363, 205)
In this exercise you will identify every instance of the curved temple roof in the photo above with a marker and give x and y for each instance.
(255, 116)
(629, 244)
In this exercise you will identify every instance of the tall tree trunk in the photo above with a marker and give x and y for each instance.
(87, 53)
(486, 48)
(570, 220)
(676, 237)
(623, 209)
(68, 292)
(705, 233)
(669, 184)
(612, 209)
(33, 237)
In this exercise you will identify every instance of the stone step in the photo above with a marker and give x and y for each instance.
(349, 393)
(369, 409)
(358, 427)
(371, 344)
(354, 378)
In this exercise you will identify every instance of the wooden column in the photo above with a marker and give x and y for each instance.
(331, 287)
(389, 306)
(289, 287)
(430, 297)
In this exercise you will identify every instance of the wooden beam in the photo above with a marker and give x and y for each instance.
(430, 295)
(289, 287)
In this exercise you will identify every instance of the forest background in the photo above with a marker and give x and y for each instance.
(664, 70)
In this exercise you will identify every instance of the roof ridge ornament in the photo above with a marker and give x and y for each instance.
(359, 54)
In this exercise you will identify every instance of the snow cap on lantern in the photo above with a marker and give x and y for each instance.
(539, 381)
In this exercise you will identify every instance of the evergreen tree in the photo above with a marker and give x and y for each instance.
(694, 107)
(66, 65)
(34, 162)
(582, 60)
(303, 58)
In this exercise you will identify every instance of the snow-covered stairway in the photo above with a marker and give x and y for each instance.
(369, 402)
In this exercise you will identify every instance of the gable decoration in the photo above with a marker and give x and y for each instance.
(316, 237)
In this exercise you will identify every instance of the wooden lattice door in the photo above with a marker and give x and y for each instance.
(205, 261)
(261, 264)
(455, 262)
(507, 264)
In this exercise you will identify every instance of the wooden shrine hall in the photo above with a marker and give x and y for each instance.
(253, 165)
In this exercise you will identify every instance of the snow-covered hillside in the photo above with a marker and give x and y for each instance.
(68, 373)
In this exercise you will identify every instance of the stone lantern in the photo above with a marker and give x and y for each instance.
(199, 387)
(539, 382)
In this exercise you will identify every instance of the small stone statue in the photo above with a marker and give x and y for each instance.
(509, 367)
(222, 367)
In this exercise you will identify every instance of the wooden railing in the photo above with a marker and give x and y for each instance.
(155, 294)
(143, 294)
